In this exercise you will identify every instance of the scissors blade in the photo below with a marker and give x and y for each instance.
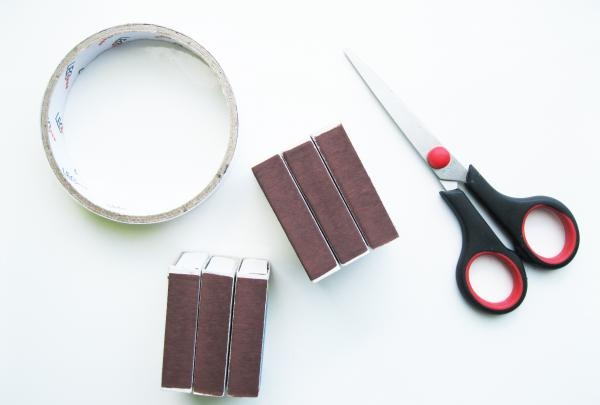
(422, 140)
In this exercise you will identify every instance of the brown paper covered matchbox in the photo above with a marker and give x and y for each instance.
(180, 325)
(325, 202)
(356, 187)
(247, 328)
(212, 330)
(215, 323)
(295, 218)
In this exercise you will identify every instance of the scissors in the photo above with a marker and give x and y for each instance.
(478, 239)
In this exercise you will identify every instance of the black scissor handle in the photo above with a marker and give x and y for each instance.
(479, 240)
(512, 213)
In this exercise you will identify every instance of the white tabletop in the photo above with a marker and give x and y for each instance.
(511, 87)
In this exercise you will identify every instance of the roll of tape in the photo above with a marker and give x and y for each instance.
(52, 123)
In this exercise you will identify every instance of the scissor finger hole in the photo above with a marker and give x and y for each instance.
(494, 280)
(549, 234)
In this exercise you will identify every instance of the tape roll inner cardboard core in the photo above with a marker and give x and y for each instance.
(145, 132)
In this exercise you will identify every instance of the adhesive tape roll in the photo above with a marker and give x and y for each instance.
(56, 144)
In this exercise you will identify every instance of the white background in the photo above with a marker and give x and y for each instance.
(512, 87)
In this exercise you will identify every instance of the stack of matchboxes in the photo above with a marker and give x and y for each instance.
(325, 202)
(214, 329)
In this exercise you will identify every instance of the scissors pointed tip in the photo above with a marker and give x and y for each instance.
(349, 55)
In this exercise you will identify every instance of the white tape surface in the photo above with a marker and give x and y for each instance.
(53, 125)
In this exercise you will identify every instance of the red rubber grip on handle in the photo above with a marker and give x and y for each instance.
(518, 288)
(570, 236)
